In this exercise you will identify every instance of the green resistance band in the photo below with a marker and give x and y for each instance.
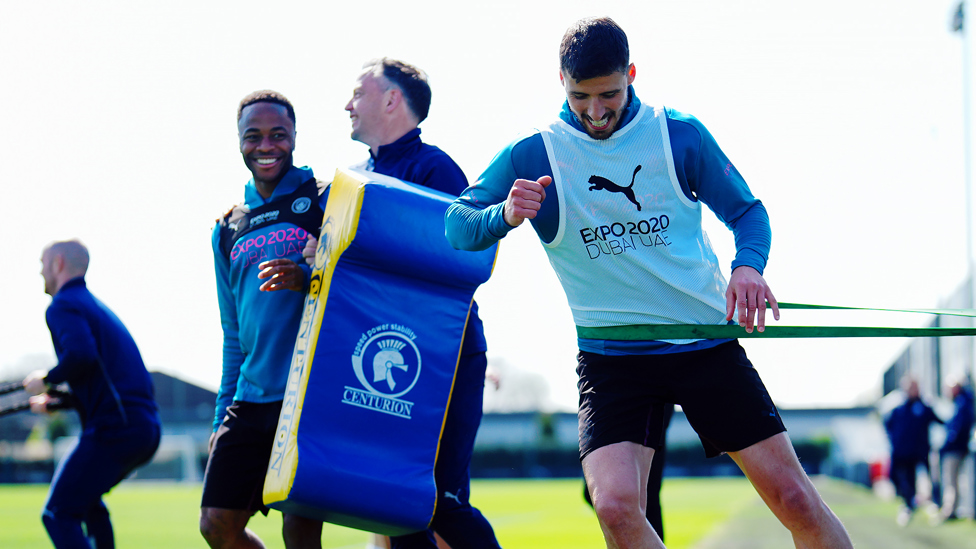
(732, 331)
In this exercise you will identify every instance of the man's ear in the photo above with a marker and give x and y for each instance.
(393, 99)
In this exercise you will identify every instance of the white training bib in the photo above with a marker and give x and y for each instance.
(630, 248)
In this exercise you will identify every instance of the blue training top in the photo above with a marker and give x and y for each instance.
(475, 220)
(907, 426)
(410, 159)
(259, 327)
(99, 360)
(959, 428)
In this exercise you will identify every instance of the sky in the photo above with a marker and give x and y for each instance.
(845, 118)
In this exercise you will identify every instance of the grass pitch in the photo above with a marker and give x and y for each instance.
(524, 513)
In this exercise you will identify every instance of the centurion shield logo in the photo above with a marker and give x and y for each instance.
(387, 364)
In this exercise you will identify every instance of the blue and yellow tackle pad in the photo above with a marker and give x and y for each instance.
(374, 361)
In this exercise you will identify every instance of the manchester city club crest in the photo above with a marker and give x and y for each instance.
(301, 204)
(387, 364)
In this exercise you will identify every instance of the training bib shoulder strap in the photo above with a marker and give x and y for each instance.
(300, 208)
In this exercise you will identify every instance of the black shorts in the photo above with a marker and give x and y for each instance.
(623, 398)
(239, 460)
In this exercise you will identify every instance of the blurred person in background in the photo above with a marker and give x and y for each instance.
(907, 426)
(111, 390)
(959, 430)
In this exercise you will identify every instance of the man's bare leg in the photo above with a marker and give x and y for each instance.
(301, 533)
(617, 478)
(227, 529)
(775, 472)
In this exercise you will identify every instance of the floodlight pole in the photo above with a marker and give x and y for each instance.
(959, 24)
(962, 26)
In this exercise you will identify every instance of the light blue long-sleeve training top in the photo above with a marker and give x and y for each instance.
(475, 221)
(259, 327)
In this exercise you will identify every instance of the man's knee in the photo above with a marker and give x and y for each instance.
(797, 498)
(615, 490)
(49, 521)
(61, 526)
(210, 527)
(219, 526)
(616, 509)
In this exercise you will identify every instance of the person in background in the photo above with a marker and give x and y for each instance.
(907, 426)
(111, 390)
(959, 430)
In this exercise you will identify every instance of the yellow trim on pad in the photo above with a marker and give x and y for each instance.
(339, 225)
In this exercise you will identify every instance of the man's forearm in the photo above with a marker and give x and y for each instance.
(473, 229)
(752, 238)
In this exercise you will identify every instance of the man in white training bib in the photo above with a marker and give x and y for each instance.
(614, 190)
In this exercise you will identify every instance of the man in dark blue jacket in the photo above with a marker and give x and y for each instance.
(959, 429)
(113, 394)
(389, 101)
(908, 430)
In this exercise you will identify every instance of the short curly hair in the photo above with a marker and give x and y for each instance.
(266, 96)
(593, 47)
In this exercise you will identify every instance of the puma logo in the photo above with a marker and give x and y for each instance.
(597, 183)
(453, 496)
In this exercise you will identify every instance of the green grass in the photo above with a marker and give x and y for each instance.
(524, 514)
(694, 506)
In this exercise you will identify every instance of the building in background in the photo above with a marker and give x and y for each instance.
(31, 445)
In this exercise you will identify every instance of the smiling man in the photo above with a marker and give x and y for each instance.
(614, 190)
(261, 281)
(389, 101)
